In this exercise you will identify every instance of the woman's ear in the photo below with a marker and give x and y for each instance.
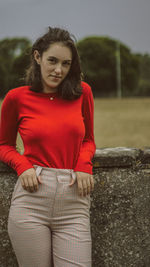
(37, 57)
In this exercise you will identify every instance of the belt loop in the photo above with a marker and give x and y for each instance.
(38, 170)
(56, 175)
(73, 175)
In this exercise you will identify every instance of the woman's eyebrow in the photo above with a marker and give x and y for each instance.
(52, 57)
(68, 60)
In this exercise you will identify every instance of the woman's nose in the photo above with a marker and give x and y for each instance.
(58, 68)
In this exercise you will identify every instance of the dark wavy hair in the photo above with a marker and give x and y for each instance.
(70, 87)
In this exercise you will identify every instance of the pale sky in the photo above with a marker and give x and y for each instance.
(124, 20)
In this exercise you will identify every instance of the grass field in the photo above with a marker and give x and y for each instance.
(121, 122)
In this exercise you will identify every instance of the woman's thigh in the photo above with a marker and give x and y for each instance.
(31, 243)
(72, 245)
(71, 232)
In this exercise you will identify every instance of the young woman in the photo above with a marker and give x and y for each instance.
(49, 220)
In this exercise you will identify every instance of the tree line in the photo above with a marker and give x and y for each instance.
(99, 59)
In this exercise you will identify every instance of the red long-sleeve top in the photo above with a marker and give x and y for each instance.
(56, 133)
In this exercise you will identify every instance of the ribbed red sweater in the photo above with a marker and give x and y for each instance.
(56, 133)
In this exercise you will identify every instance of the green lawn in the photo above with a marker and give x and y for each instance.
(121, 122)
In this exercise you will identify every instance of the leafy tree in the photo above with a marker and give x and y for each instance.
(130, 71)
(14, 59)
(98, 64)
(98, 61)
(2, 77)
(143, 88)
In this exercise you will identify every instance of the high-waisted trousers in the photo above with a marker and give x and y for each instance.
(51, 227)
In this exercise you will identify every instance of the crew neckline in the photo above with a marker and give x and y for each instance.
(44, 94)
(47, 94)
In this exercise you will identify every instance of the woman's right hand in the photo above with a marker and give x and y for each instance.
(29, 180)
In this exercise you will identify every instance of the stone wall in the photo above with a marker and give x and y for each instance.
(120, 209)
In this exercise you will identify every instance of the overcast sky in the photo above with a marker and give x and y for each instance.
(126, 20)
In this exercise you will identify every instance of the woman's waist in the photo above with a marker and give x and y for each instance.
(54, 171)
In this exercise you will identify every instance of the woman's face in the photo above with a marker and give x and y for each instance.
(55, 64)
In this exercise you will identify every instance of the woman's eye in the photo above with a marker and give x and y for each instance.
(67, 63)
(52, 60)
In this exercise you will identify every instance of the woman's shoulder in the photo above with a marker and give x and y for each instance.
(14, 97)
(86, 88)
(16, 94)
(18, 91)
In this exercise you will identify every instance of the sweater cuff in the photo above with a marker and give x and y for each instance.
(84, 167)
(23, 169)
(22, 165)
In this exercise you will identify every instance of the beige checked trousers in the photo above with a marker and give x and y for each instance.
(50, 227)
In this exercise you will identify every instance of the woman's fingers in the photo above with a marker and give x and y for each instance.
(28, 184)
(29, 180)
(89, 188)
(79, 182)
(85, 183)
(92, 182)
(35, 183)
(84, 187)
(39, 179)
(31, 184)
(25, 182)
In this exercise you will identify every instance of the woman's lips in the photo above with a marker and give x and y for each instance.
(55, 77)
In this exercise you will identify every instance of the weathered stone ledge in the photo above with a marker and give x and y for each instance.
(120, 157)
(120, 209)
(111, 157)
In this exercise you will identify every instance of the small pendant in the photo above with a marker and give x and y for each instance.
(51, 98)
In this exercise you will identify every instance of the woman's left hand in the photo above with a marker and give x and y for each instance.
(85, 183)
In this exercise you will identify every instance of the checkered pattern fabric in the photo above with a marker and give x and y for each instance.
(50, 227)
